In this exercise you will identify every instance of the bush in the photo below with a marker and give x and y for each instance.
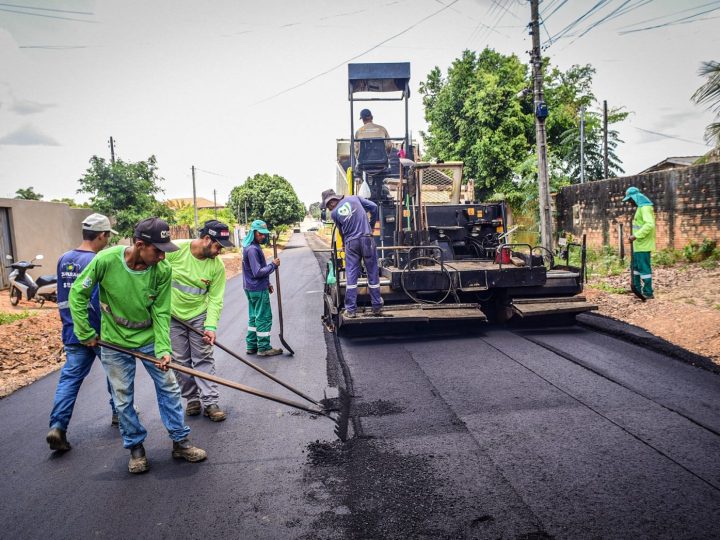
(698, 253)
(667, 257)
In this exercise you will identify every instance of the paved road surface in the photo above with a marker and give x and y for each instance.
(562, 433)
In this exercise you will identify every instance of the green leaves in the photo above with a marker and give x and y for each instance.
(124, 190)
(268, 197)
(28, 194)
(709, 93)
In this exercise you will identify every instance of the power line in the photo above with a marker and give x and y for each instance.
(651, 19)
(668, 136)
(682, 20)
(47, 9)
(306, 81)
(45, 16)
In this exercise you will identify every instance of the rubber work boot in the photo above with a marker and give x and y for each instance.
(57, 440)
(214, 413)
(193, 408)
(138, 462)
(184, 450)
(251, 351)
(270, 352)
(350, 314)
(377, 311)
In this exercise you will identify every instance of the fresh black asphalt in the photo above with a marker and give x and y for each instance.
(494, 433)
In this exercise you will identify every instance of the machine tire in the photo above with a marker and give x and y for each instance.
(15, 295)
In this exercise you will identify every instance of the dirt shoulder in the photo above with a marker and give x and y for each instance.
(685, 311)
(31, 347)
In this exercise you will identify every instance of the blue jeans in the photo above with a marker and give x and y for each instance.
(79, 360)
(120, 369)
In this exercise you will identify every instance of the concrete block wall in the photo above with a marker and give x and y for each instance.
(687, 206)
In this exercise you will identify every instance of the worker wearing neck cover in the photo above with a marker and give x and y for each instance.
(643, 239)
(256, 282)
(350, 214)
(198, 287)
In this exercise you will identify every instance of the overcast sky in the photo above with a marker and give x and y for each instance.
(239, 87)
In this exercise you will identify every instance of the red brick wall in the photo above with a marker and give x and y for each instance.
(687, 206)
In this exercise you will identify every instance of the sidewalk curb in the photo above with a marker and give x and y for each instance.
(638, 336)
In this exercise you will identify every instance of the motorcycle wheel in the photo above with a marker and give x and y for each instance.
(15, 296)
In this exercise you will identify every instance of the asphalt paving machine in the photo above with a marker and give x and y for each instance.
(443, 256)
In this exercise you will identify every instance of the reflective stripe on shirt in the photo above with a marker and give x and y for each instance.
(124, 322)
(188, 289)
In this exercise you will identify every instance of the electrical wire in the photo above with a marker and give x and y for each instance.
(344, 62)
(47, 9)
(683, 20)
(45, 16)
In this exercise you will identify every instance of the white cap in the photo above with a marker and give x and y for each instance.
(97, 222)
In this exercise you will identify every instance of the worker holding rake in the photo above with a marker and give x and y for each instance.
(134, 283)
(198, 286)
(256, 282)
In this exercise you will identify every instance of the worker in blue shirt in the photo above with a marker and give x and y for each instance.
(96, 233)
(350, 214)
(256, 282)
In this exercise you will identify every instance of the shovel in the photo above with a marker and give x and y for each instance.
(250, 364)
(633, 288)
(341, 419)
(279, 298)
(220, 380)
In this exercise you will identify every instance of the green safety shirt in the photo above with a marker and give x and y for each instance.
(643, 228)
(135, 303)
(197, 285)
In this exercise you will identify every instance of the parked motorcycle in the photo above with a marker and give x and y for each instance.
(23, 285)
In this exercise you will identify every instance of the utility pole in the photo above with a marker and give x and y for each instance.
(215, 202)
(194, 198)
(605, 140)
(582, 145)
(546, 224)
(112, 150)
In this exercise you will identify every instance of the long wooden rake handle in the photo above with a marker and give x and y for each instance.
(250, 364)
(220, 380)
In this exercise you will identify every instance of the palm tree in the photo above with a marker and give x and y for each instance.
(710, 93)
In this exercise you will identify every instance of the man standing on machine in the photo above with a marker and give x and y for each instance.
(350, 214)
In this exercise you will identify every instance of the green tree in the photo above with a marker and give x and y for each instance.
(268, 197)
(125, 190)
(568, 148)
(186, 216)
(28, 194)
(314, 210)
(709, 93)
(474, 115)
(72, 202)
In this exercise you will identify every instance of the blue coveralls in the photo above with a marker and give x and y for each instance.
(350, 216)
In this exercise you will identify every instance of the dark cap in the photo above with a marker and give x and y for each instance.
(155, 231)
(365, 113)
(218, 231)
(327, 196)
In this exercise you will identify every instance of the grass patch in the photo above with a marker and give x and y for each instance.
(609, 288)
(7, 318)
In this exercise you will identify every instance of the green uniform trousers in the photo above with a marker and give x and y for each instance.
(259, 320)
(642, 272)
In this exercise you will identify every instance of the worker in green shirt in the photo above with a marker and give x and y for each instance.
(134, 284)
(643, 240)
(198, 286)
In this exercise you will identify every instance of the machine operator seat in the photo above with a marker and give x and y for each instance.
(372, 157)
